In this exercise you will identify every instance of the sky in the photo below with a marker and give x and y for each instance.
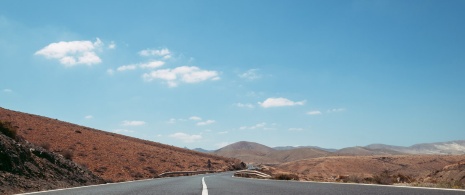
(204, 74)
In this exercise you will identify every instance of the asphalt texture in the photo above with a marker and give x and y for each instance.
(224, 184)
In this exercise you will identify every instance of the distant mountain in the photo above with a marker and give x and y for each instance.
(313, 147)
(251, 152)
(365, 151)
(451, 147)
(203, 150)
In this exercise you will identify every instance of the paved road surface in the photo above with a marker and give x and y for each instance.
(224, 184)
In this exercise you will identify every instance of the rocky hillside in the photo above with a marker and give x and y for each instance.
(446, 170)
(111, 156)
(25, 167)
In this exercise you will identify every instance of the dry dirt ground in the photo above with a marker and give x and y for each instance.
(108, 155)
(447, 170)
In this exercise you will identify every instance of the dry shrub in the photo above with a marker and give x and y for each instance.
(286, 177)
(68, 154)
(45, 145)
(7, 129)
(384, 178)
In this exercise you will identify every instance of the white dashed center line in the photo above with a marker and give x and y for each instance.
(204, 187)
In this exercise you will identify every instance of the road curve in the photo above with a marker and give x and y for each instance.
(224, 183)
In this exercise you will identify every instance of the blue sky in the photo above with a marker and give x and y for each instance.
(209, 73)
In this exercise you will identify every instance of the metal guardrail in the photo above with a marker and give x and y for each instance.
(184, 173)
(249, 173)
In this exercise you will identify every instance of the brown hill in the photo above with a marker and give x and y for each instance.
(111, 156)
(251, 152)
(406, 168)
(25, 167)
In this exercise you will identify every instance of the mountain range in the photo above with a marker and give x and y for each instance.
(257, 153)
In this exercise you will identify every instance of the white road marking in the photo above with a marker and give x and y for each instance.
(204, 187)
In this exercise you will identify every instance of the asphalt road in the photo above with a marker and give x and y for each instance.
(224, 184)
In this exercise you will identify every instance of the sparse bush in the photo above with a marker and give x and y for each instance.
(101, 170)
(384, 178)
(353, 179)
(68, 154)
(7, 129)
(286, 177)
(45, 145)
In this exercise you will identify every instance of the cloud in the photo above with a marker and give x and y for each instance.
(171, 121)
(152, 64)
(110, 71)
(207, 122)
(89, 117)
(223, 132)
(133, 123)
(250, 74)
(7, 90)
(186, 74)
(112, 45)
(336, 110)
(148, 65)
(185, 137)
(122, 131)
(126, 67)
(314, 112)
(257, 126)
(73, 52)
(195, 118)
(279, 102)
(241, 105)
(165, 53)
(295, 129)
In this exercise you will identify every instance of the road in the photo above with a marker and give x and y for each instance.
(224, 183)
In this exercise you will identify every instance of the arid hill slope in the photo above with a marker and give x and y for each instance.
(25, 167)
(251, 152)
(418, 168)
(111, 156)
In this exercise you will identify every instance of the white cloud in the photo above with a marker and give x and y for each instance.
(152, 64)
(122, 131)
(73, 52)
(314, 112)
(148, 65)
(223, 132)
(257, 126)
(185, 137)
(207, 122)
(110, 71)
(112, 45)
(195, 118)
(7, 90)
(250, 74)
(89, 117)
(336, 110)
(295, 129)
(154, 52)
(278, 102)
(171, 121)
(133, 123)
(241, 105)
(186, 74)
(126, 67)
